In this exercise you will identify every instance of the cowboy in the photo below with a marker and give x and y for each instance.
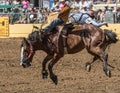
(83, 18)
(62, 18)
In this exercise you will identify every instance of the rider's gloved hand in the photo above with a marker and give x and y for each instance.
(106, 24)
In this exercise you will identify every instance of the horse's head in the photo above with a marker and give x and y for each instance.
(29, 46)
(27, 53)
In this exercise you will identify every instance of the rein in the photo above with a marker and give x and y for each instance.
(31, 50)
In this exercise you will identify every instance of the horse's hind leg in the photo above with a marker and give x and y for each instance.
(105, 69)
(103, 57)
(44, 71)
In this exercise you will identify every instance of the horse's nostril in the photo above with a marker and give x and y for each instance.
(21, 63)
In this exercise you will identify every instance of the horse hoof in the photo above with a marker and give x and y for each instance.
(54, 79)
(44, 74)
(108, 73)
(88, 66)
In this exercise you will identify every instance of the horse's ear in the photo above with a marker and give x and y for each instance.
(24, 39)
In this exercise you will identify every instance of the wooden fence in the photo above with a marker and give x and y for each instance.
(22, 30)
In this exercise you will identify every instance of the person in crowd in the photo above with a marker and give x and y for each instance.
(102, 16)
(113, 9)
(62, 4)
(23, 18)
(83, 18)
(84, 9)
(107, 10)
(7, 2)
(88, 4)
(25, 4)
(55, 6)
(81, 4)
(99, 15)
(77, 4)
(33, 15)
(15, 15)
(16, 2)
(118, 15)
(39, 16)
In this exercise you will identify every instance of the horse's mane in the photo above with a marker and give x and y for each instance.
(34, 36)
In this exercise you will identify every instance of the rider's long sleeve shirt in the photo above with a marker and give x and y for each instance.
(82, 18)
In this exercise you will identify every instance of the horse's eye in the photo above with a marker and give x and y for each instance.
(25, 51)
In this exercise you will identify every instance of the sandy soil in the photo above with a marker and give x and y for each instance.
(72, 76)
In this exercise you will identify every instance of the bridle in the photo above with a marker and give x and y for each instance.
(31, 53)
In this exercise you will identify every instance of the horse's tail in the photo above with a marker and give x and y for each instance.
(111, 36)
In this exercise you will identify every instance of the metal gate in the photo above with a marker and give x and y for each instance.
(4, 26)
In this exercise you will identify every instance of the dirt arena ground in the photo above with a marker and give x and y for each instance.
(72, 76)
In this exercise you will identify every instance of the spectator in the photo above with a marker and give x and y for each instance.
(16, 2)
(81, 4)
(7, 2)
(88, 3)
(25, 4)
(107, 9)
(95, 1)
(113, 9)
(39, 16)
(23, 18)
(15, 15)
(84, 9)
(118, 15)
(77, 5)
(62, 4)
(32, 16)
(55, 6)
(100, 15)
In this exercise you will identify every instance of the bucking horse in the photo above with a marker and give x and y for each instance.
(89, 37)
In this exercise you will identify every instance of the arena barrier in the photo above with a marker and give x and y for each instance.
(4, 26)
(22, 30)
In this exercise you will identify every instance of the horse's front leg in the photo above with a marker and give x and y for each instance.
(44, 71)
(50, 66)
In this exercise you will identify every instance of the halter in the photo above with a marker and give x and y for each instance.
(30, 54)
